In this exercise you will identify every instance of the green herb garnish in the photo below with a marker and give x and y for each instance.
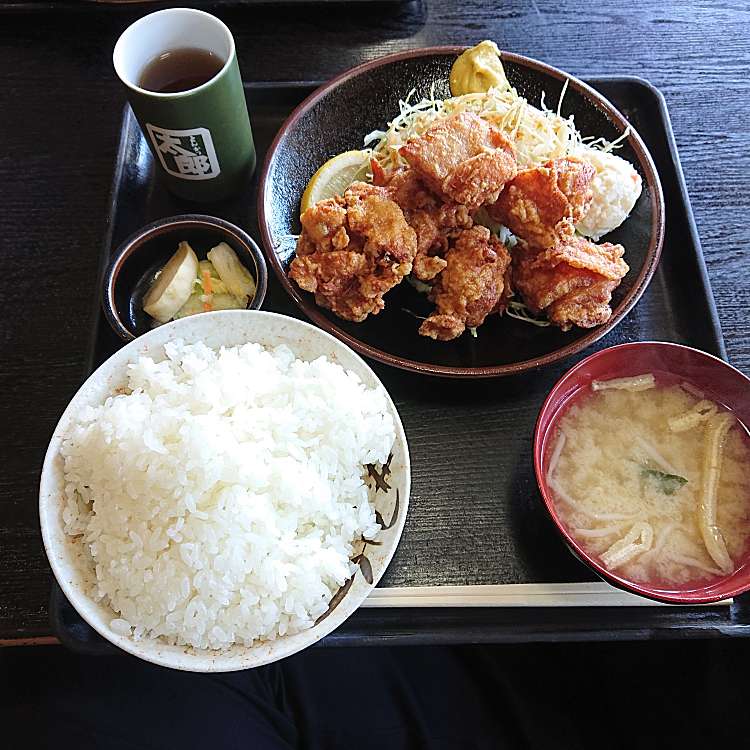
(667, 483)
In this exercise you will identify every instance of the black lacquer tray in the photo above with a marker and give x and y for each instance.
(477, 533)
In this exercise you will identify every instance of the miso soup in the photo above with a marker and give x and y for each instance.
(652, 478)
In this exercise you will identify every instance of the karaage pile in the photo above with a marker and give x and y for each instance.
(419, 219)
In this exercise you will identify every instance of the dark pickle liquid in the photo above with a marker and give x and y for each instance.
(180, 70)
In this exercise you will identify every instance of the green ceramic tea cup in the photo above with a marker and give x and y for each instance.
(201, 137)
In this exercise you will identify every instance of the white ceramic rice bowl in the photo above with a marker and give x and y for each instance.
(225, 328)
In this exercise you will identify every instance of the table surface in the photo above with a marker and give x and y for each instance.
(60, 109)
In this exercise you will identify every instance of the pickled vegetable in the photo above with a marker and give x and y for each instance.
(173, 285)
(235, 276)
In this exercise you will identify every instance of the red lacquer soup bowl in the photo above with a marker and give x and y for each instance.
(719, 382)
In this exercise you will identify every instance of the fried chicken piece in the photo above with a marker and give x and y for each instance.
(410, 192)
(571, 282)
(433, 220)
(322, 223)
(462, 158)
(541, 205)
(472, 286)
(586, 308)
(353, 249)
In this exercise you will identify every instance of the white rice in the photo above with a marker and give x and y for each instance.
(220, 495)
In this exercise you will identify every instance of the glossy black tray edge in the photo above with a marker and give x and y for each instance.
(676, 164)
(397, 626)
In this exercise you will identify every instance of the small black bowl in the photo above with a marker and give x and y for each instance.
(136, 261)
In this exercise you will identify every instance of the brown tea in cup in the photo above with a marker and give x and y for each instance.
(180, 70)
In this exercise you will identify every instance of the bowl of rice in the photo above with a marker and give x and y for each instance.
(224, 491)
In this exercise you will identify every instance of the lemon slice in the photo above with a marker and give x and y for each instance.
(335, 176)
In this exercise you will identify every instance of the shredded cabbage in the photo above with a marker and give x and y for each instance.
(519, 311)
(538, 133)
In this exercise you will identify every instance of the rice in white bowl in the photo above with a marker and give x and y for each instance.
(219, 494)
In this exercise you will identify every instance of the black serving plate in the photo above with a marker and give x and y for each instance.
(336, 119)
(475, 514)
